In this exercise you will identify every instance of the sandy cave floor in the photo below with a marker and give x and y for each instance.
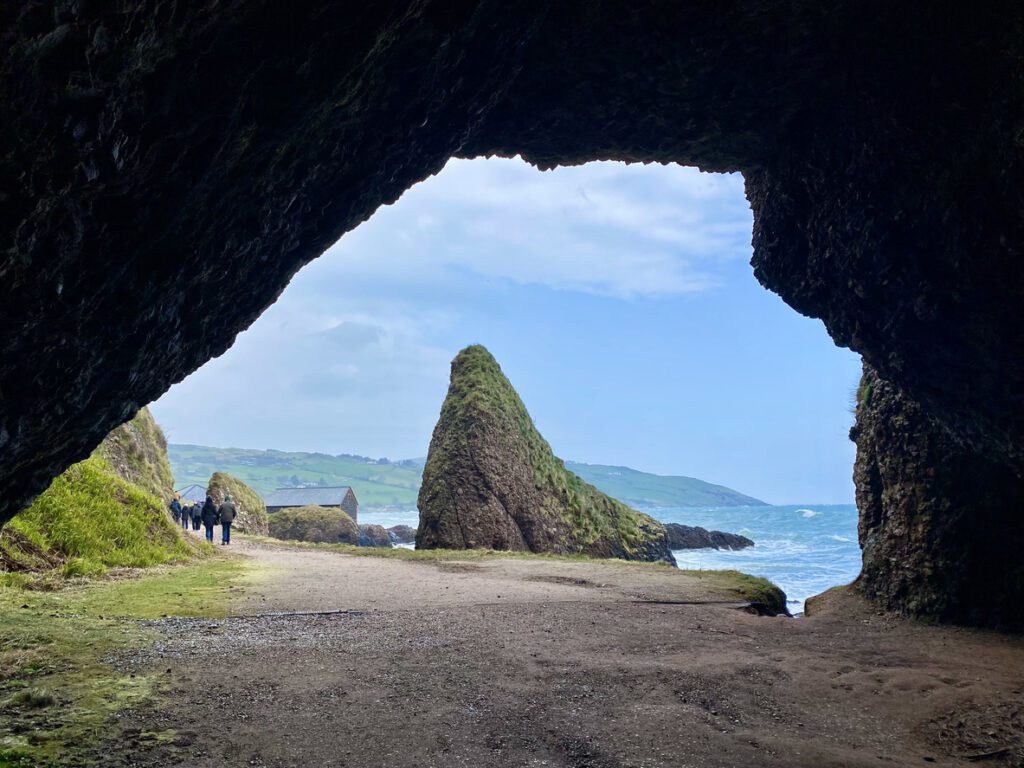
(532, 663)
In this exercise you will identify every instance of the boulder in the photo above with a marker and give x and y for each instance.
(313, 523)
(491, 481)
(695, 537)
(402, 534)
(374, 536)
(252, 512)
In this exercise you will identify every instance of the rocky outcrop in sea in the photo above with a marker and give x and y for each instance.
(402, 534)
(491, 481)
(374, 536)
(695, 537)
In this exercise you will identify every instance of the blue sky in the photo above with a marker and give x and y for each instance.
(618, 299)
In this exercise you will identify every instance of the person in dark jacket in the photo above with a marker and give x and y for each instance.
(227, 514)
(209, 517)
(175, 507)
(196, 515)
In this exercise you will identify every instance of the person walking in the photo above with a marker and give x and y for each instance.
(209, 517)
(175, 507)
(227, 514)
(196, 515)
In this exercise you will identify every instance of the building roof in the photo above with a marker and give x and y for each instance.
(192, 493)
(323, 496)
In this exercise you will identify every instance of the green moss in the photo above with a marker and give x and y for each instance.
(53, 647)
(753, 589)
(87, 521)
(864, 391)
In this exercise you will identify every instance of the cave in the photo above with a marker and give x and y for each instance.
(168, 167)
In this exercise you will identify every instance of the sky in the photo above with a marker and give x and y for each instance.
(618, 299)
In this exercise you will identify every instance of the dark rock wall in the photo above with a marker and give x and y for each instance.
(941, 526)
(165, 168)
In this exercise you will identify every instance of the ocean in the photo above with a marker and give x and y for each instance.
(805, 549)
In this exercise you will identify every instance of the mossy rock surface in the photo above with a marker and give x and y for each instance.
(316, 524)
(491, 481)
(252, 512)
(137, 452)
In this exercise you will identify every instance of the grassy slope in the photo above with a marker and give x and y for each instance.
(57, 693)
(137, 450)
(397, 483)
(88, 520)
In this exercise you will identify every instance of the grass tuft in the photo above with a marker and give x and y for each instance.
(33, 698)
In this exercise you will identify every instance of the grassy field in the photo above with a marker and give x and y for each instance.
(58, 695)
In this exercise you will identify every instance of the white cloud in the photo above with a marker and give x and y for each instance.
(603, 228)
(303, 379)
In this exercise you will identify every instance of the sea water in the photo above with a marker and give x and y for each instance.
(804, 549)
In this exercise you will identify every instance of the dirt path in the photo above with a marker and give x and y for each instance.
(535, 663)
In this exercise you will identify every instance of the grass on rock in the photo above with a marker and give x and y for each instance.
(481, 398)
(87, 521)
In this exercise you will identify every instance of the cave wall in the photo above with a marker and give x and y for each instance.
(941, 526)
(165, 168)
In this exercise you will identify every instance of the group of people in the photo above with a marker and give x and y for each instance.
(209, 513)
(193, 514)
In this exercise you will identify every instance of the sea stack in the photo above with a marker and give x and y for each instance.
(491, 481)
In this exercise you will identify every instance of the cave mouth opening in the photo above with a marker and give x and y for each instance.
(619, 300)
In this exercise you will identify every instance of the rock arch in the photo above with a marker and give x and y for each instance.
(167, 167)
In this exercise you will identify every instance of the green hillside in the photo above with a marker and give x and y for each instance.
(383, 483)
(642, 489)
(377, 483)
